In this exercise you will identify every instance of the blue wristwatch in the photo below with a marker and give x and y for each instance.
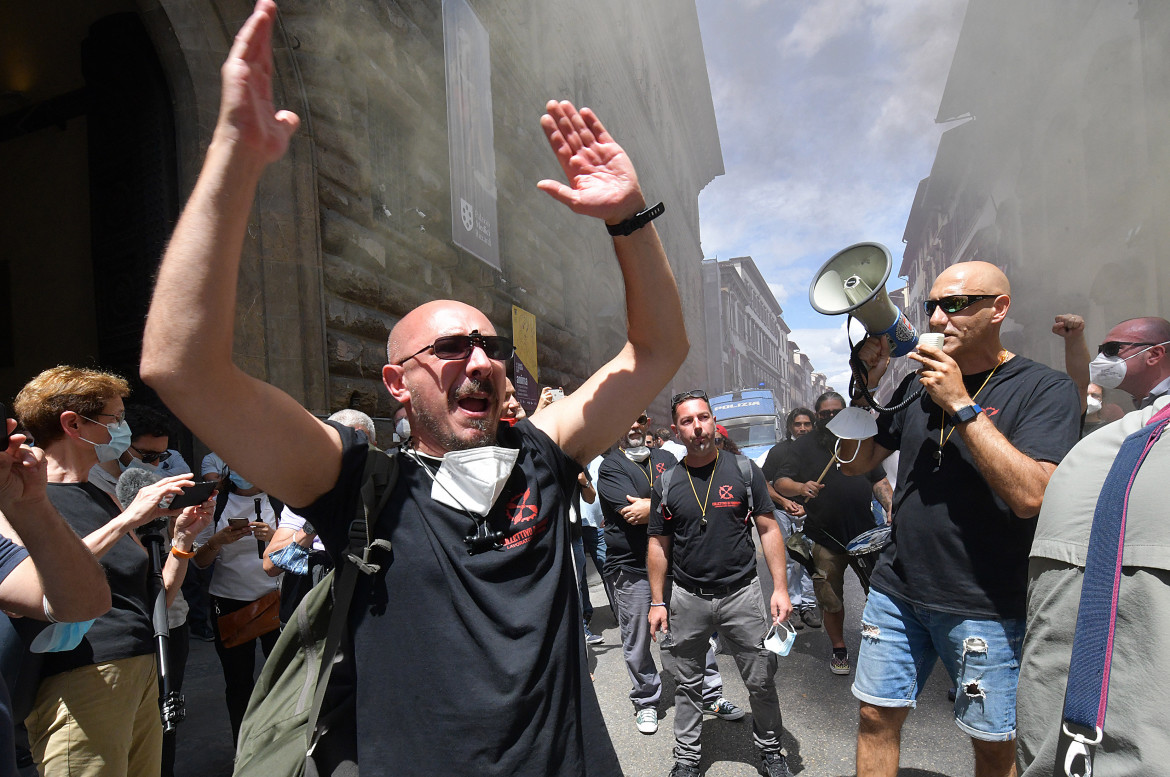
(965, 414)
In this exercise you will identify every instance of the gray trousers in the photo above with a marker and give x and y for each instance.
(631, 596)
(742, 619)
(800, 585)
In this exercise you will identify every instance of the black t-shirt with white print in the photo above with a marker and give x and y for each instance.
(956, 545)
(472, 663)
(617, 478)
(720, 553)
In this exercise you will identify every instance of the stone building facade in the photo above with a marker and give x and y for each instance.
(1055, 168)
(353, 227)
(752, 339)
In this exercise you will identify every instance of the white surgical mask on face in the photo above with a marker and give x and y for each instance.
(473, 479)
(1092, 405)
(1109, 371)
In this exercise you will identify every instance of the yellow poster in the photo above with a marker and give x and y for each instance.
(524, 337)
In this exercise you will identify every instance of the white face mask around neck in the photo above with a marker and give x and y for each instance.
(473, 479)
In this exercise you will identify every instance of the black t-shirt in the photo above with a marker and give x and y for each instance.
(843, 509)
(720, 553)
(956, 546)
(625, 544)
(125, 631)
(470, 662)
(772, 460)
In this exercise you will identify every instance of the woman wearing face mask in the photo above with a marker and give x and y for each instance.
(99, 701)
(245, 520)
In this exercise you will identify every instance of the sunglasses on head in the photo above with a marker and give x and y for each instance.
(1113, 347)
(151, 457)
(455, 347)
(678, 399)
(955, 302)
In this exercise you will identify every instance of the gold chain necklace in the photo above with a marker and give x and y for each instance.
(703, 504)
(942, 421)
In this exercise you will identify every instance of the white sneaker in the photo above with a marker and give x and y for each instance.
(647, 720)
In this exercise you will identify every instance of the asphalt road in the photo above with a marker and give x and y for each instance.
(820, 714)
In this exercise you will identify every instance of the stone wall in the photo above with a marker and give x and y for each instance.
(374, 80)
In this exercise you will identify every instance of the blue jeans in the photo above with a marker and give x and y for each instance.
(900, 643)
(593, 539)
(800, 586)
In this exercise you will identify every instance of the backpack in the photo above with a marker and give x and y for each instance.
(745, 470)
(280, 728)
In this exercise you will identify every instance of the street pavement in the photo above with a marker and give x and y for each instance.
(820, 713)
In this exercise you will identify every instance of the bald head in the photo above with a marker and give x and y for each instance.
(1150, 329)
(971, 278)
(421, 326)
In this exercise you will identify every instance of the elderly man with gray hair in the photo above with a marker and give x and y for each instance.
(295, 548)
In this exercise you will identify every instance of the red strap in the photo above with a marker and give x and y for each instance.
(1160, 416)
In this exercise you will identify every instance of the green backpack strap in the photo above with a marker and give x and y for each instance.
(378, 479)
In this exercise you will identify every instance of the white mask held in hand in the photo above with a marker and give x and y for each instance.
(780, 642)
(472, 480)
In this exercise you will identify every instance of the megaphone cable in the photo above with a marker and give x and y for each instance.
(858, 382)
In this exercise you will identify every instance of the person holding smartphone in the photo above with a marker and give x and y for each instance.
(98, 701)
(245, 520)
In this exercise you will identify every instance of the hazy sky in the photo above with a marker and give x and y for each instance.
(826, 117)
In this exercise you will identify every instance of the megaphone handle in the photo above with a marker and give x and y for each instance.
(825, 471)
(859, 380)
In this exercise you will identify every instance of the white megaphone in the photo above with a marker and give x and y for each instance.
(854, 281)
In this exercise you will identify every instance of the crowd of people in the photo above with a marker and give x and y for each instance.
(990, 522)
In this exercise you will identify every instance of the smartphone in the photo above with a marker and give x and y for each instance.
(193, 495)
(556, 395)
(238, 523)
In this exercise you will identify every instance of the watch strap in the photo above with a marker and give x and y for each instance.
(636, 222)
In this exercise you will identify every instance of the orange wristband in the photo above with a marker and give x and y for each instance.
(182, 553)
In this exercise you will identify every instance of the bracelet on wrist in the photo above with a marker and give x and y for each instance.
(636, 222)
(657, 604)
(187, 554)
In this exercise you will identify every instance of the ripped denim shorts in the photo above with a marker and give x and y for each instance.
(900, 643)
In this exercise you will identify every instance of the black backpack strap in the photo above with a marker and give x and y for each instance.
(221, 500)
(378, 479)
(745, 469)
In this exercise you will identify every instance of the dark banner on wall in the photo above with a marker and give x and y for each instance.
(469, 132)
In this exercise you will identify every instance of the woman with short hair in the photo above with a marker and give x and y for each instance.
(96, 710)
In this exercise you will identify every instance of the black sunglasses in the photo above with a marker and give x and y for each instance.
(455, 347)
(954, 303)
(151, 457)
(678, 399)
(828, 413)
(642, 419)
(1113, 347)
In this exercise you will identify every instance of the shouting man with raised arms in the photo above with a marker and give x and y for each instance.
(468, 647)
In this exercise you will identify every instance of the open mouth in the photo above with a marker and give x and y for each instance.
(473, 405)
